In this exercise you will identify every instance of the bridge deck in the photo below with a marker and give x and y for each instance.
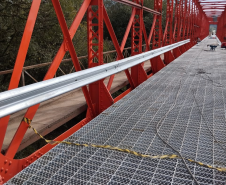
(185, 102)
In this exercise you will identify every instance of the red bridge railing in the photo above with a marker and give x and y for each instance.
(189, 22)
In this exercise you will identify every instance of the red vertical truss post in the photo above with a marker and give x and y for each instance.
(146, 39)
(168, 56)
(189, 24)
(203, 23)
(137, 28)
(181, 36)
(186, 24)
(196, 27)
(195, 24)
(183, 14)
(99, 93)
(217, 32)
(186, 30)
(192, 24)
(153, 64)
(221, 27)
(176, 21)
(137, 72)
(176, 51)
(185, 19)
(14, 82)
(218, 28)
(157, 63)
(200, 17)
(180, 20)
(224, 26)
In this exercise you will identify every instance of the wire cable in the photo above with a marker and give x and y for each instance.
(157, 132)
(200, 112)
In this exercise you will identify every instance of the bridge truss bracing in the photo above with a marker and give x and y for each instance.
(189, 22)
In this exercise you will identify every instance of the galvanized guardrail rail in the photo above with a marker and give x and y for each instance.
(24, 97)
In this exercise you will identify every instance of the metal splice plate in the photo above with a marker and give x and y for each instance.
(173, 98)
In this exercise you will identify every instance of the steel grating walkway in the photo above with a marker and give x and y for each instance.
(171, 99)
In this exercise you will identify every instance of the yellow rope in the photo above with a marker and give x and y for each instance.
(167, 156)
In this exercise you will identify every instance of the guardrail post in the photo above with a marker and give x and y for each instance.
(177, 26)
(157, 38)
(137, 72)
(168, 56)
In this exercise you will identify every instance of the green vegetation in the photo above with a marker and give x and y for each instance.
(212, 28)
(47, 36)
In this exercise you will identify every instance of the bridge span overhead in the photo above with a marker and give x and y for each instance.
(167, 127)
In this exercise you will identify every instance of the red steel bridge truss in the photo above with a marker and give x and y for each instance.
(185, 19)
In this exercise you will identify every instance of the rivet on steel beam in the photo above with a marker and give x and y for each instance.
(6, 170)
(5, 161)
(2, 169)
(10, 162)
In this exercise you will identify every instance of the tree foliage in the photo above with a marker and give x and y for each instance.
(47, 36)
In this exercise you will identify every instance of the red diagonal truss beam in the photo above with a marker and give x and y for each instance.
(189, 22)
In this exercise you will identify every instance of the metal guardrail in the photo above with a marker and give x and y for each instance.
(107, 57)
(18, 99)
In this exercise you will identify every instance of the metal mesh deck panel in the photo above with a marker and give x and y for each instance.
(131, 123)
